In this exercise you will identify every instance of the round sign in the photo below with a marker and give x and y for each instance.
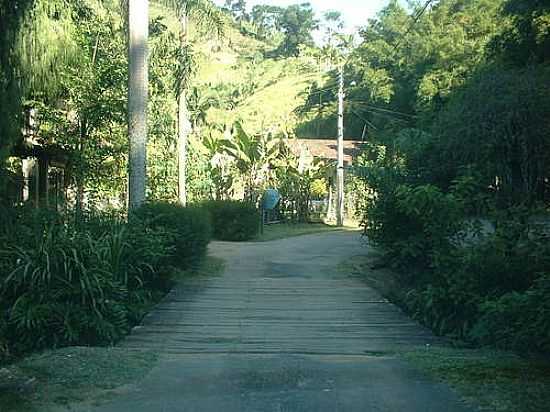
(270, 199)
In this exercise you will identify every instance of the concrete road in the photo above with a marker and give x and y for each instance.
(281, 330)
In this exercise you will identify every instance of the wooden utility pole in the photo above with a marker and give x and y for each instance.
(340, 145)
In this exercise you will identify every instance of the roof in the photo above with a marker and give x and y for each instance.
(326, 148)
(54, 153)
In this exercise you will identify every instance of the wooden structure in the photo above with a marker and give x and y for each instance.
(42, 177)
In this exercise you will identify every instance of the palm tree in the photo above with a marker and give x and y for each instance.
(209, 18)
(138, 26)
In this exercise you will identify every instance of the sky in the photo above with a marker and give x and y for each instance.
(355, 12)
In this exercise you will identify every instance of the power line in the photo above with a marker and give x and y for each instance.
(380, 108)
(387, 115)
(324, 90)
(413, 23)
(363, 119)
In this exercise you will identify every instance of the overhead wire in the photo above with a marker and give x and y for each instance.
(363, 119)
(381, 108)
(413, 23)
(387, 115)
(374, 109)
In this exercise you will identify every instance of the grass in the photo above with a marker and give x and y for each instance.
(284, 230)
(45, 381)
(209, 266)
(56, 379)
(491, 380)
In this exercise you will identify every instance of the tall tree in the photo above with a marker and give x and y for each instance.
(237, 9)
(208, 18)
(527, 40)
(265, 18)
(36, 38)
(297, 22)
(138, 25)
(332, 23)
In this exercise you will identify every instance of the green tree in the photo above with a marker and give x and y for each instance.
(209, 19)
(35, 40)
(265, 18)
(332, 23)
(527, 39)
(237, 9)
(253, 157)
(497, 124)
(297, 22)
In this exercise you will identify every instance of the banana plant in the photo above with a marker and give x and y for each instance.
(220, 163)
(253, 156)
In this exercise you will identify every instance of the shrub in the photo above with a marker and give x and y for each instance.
(417, 226)
(480, 281)
(233, 220)
(60, 285)
(86, 279)
(189, 228)
(517, 320)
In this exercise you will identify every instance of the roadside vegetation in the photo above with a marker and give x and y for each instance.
(87, 279)
(285, 230)
(55, 379)
(455, 189)
(76, 266)
(487, 379)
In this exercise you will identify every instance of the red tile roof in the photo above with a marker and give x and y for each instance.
(326, 148)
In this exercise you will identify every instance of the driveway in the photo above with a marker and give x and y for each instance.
(281, 330)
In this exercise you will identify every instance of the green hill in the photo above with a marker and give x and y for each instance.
(249, 85)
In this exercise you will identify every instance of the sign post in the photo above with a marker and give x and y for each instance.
(270, 200)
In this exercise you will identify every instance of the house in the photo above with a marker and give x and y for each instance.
(41, 178)
(38, 170)
(326, 149)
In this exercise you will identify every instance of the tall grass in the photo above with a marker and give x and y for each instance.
(66, 281)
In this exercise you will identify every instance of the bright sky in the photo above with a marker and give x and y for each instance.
(354, 12)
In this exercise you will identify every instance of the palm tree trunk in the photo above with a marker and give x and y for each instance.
(138, 24)
(184, 124)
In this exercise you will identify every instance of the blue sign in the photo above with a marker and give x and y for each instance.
(270, 199)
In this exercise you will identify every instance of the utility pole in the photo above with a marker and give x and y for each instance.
(340, 145)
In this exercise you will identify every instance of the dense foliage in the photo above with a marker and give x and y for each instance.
(189, 227)
(86, 279)
(233, 219)
(456, 176)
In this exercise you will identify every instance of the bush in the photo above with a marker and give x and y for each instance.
(61, 285)
(233, 220)
(517, 320)
(417, 226)
(465, 278)
(189, 228)
(86, 279)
